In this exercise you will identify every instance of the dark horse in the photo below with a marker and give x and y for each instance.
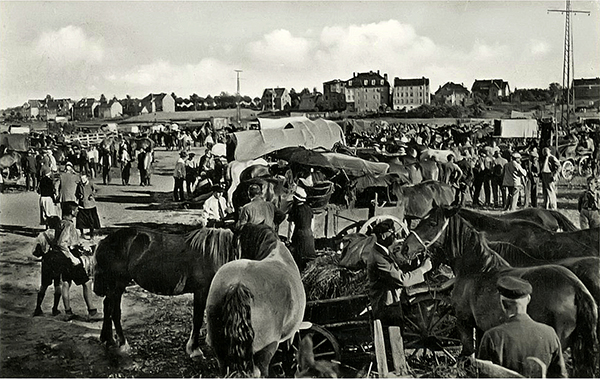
(559, 298)
(552, 220)
(254, 304)
(415, 201)
(161, 263)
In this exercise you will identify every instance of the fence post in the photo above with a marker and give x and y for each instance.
(380, 356)
(397, 345)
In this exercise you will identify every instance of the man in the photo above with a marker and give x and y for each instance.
(589, 206)
(514, 177)
(191, 174)
(179, 177)
(549, 176)
(207, 164)
(532, 167)
(520, 337)
(258, 210)
(66, 240)
(498, 190)
(386, 280)
(482, 177)
(50, 266)
(30, 169)
(215, 207)
(125, 160)
(68, 185)
(452, 175)
(105, 164)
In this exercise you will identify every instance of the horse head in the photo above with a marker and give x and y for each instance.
(428, 233)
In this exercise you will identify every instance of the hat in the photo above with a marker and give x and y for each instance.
(69, 163)
(300, 194)
(191, 154)
(516, 155)
(383, 226)
(513, 287)
(534, 153)
(182, 154)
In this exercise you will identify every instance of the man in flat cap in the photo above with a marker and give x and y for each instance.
(386, 279)
(215, 207)
(520, 337)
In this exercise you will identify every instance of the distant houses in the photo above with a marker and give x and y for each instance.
(275, 99)
(368, 92)
(587, 93)
(491, 90)
(157, 103)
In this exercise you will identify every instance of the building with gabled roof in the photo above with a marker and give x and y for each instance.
(158, 103)
(492, 90)
(275, 99)
(334, 95)
(410, 93)
(587, 92)
(84, 109)
(451, 94)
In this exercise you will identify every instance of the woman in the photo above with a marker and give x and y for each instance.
(87, 217)
(303, 241)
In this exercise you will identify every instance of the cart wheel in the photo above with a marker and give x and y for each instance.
(585, 166)
(430, 326)
(325, 347)
(567, 170)
(399, 225)
(353, 228)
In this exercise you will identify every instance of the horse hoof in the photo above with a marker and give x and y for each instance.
(124, 349)
(197, 353)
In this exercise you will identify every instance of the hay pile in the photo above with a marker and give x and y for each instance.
(323, 278)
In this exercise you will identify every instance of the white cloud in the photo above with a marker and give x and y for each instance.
(538, 48)
(67, 46)
(279, 48)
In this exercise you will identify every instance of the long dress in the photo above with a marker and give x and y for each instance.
(303, 241)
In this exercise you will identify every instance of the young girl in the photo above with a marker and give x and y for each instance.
(87, 217)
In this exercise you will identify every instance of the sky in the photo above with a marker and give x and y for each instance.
(76, 49)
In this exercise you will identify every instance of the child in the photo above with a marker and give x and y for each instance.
(50, 266)
(588, 205)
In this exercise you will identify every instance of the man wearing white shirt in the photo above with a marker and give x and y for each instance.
(215, 207)
(549, 176)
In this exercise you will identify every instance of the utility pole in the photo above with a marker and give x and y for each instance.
(237, 96)
(568, 102)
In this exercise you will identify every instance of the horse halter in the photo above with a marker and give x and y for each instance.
(426, 245)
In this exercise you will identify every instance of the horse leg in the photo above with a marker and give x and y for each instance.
(262, 359)
(465, 328)
(106, 333)
(193, 345)
(116, 317)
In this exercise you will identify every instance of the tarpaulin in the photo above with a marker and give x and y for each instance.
(516, 128)
(309, 134)
(355, 166)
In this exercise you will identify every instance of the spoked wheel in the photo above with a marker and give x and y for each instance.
(567, 170)
(353, 228)
(430, 326)
(584, 166)
(325, 347)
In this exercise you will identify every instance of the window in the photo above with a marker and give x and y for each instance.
(350, 83)
(366, 82)
(373, 82)
(381, 82)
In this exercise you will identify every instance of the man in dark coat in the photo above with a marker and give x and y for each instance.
(386, 280)
(258, 210)
(520, 337)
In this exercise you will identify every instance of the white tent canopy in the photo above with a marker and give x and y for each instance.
(309, 134)
(279, 123)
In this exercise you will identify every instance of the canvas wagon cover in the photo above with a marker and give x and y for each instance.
(310, 134)
(20, 143)
(355, 166)
(516, 128)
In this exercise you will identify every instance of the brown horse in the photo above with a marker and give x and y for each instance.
(559, 298)
(415, 201)
(161, 263)
(254, 304)
(549, 219)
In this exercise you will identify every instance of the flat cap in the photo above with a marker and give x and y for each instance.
(383, 226)
(513, 287)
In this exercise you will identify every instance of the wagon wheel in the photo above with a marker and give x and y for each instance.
(584, 166)
(430, 326)
(567, 170)
(353, 228)
(325, 347)
(399, 225)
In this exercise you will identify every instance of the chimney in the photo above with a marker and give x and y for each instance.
(377, 72)
(385, 76)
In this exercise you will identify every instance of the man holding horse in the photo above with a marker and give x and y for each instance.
(520, 337)
(386, 279)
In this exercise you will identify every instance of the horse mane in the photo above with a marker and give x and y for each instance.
(257, 241)
(216, 244)
(463, 239)
(516, 255)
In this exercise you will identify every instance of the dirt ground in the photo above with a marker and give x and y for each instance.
(157, 327)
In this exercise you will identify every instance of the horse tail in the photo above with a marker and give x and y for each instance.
(563, 222)
(238, 331)
(101, 282)
(585, 343)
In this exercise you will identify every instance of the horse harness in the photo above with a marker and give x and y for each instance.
(426, 245)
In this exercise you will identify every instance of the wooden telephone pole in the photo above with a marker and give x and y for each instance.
(237, 99)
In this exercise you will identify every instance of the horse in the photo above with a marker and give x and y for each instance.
(415, 201)
(559, 298)
(10, 163)
(552, 220)
(535, 239)
(254, 304)
(161, 263)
